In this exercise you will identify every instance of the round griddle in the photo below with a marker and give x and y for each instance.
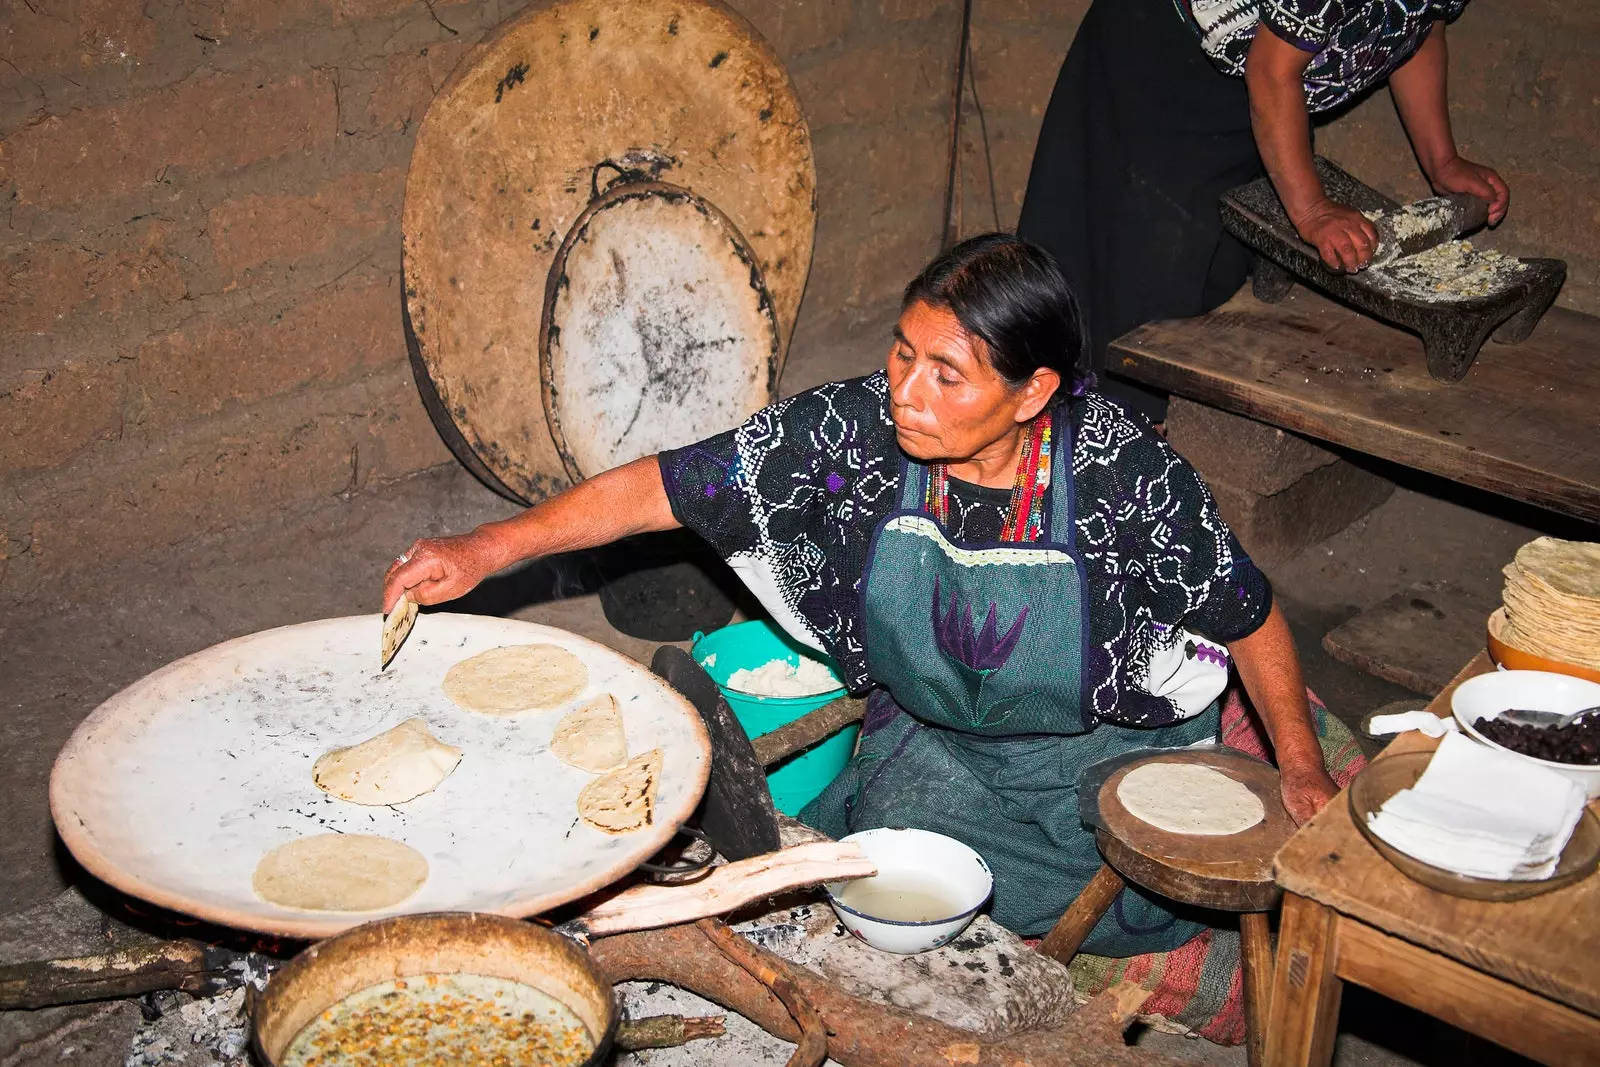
(1230, 872)
(563, 102)
(174, 789)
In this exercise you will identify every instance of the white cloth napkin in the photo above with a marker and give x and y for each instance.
(1483, 813)
(1401, 721)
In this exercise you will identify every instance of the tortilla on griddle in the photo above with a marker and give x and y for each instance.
(340, 872)
(590, 736)
(395, 766)
(397, 627)
(513, 678)
(623, 800)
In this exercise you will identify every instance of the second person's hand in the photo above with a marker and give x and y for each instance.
(1342, 236)
(437, 569)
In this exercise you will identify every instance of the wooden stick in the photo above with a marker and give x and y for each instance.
(726, 888)
(771, 972)
(865, 1034)
(667, 1031)
(807, 730)
(1063, 940)
(128, 973)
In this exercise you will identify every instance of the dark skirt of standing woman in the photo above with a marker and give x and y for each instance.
(1142, 136)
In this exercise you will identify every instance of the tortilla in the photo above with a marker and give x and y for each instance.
(1552, 600)
(1571, 568)
(391, 768)
(340, 872)
(1187, 798)
(623, 800)
(513, 678)
(397, 627)
(590, 736)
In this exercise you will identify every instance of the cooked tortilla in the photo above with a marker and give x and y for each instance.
(340, 872)
(397, 627)
(623, 800)
(590, 736)
(1187, 798)
(397, 765)
(513, 678)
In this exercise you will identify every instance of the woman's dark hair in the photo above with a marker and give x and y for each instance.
(1011, 295)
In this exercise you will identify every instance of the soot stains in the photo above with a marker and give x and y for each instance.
(515, 76)
(718, 59)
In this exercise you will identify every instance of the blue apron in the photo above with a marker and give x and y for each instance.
(980, 726)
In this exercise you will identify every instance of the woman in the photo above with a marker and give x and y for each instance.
(1021, 577)
(1164, 105)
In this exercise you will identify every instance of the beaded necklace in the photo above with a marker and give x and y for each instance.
(1028, 491)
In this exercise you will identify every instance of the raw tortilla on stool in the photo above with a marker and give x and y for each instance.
(513, 678)
(395, 766)
(1186, 798)
(340, 872)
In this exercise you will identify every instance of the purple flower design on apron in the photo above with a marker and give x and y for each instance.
(976, 656)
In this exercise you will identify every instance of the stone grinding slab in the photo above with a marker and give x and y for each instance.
(173, 789)
(1452, 331)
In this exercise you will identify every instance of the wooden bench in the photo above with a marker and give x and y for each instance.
(1522, 423)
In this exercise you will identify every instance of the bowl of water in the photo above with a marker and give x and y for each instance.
(927, 889)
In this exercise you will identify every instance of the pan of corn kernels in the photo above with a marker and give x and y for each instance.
(452, 990)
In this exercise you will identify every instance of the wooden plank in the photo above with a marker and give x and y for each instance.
(1519, 424)
(1416, 638)
(1523, 1022)
(1547, 944)
(1303, 1015)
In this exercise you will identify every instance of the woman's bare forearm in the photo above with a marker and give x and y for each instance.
(627, 500)
(1421, 95)
(1280, 121)
(1270, 669)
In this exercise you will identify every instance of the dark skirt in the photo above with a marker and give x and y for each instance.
(1141, 137)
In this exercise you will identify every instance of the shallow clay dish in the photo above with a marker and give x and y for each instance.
(1513, 658)
(1385, 777)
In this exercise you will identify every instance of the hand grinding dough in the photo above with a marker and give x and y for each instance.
(340, 872)
(1186, 798)
(513, 678)
(590, 736)
(397, 765)
(623, 800)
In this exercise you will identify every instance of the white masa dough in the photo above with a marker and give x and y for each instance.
(780, 678)
(1187, 798)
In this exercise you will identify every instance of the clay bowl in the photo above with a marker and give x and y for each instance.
(1513, 658)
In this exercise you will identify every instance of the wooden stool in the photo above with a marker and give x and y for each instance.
(1228, 873)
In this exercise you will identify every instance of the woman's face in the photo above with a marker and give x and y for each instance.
(947, 402)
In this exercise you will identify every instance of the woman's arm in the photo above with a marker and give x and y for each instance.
(628, 500)
(1273, 73)
(1271, 672)
(1420, 89)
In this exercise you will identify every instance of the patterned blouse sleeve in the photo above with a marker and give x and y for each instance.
(1306, 24)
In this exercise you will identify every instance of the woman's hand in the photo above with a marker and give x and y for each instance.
(437, 569)
(1306, 791)
(1342, 236)
(1457, 175)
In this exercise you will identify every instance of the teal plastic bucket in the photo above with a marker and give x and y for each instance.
(796, 781)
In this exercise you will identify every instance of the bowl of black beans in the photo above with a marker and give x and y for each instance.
(1572, 750)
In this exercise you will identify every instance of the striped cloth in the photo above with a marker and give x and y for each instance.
(1199, 985)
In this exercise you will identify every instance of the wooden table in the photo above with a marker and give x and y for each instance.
(1525, 974)
(1521, 423)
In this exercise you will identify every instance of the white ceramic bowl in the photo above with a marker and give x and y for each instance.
(918, 861)
(1488, 695)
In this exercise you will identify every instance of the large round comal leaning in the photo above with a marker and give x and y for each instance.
(657, 329)
(558, 108)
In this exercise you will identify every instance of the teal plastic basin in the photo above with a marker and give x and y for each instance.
(796, 781)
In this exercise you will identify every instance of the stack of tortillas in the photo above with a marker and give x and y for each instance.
(1552, 600)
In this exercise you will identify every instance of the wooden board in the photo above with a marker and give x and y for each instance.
(174, 788)
(1417, 638)
(1548, 944)
(1521, 423)
(1231, 872)
(563, 101)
